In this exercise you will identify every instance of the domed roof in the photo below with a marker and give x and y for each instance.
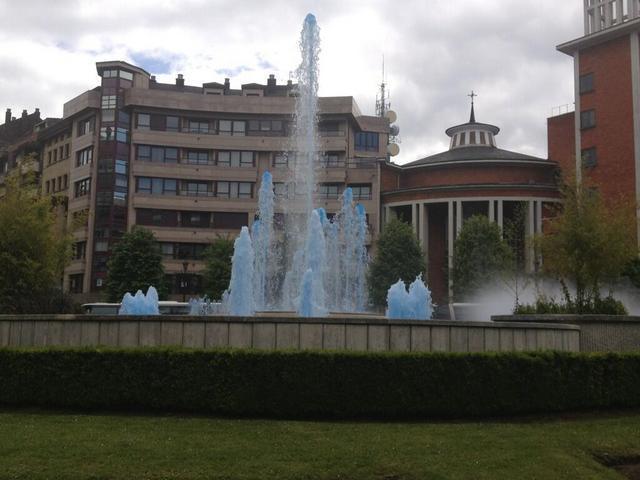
(474, 141)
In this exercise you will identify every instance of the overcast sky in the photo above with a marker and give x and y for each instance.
(436, 52)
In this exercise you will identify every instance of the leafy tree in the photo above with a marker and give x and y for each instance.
(632, 272)
(32, 252)
(588, 243)
(398, 256)
(217, 273)
(135, 264)
(480, 256)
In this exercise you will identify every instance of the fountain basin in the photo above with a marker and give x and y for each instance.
(273, 331)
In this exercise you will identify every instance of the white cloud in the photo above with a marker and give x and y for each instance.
(436, 51)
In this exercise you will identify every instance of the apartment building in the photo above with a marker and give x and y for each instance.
(186, 162)
(601, 139)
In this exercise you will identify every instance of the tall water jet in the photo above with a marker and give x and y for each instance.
(239, 298)
(262, 240)
(305, 145)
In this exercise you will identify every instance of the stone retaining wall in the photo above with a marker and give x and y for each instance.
(598, 333)
(354, 333)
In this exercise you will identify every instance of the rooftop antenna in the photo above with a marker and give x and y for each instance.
(382, 101)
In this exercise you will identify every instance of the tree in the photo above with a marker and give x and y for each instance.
(32, 253)
(398, 256)
(135, 264)
(217, 273)
(480, 256)
(588, 242)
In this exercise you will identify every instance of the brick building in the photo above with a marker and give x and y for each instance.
(437, 193)
(601, 138)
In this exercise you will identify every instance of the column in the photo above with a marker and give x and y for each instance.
(458, 217)
(492, 211)
(530, 230)
(451, 233)
(414, 217)
(421, 224)
(500, 213)
(538, 217)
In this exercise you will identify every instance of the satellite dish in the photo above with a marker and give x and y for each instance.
(393, 149)
(391, 116)
(394, 130)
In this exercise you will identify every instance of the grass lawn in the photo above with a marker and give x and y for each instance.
(38, 445)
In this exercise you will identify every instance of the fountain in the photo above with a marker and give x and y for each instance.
(316, 264)
(140, 304)
(414, 304)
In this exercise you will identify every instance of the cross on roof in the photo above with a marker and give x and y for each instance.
(472, 118)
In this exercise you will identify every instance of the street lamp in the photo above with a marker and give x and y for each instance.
(183, 284)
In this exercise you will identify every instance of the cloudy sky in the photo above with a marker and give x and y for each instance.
(436, 52)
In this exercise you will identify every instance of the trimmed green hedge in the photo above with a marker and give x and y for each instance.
(318, 384)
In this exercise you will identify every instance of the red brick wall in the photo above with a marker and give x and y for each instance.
(388, 178)
(561, 142)
(612, 100)
(473, 174)
(475, 192)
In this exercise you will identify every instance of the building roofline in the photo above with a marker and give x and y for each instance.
(474, 186)
(119, 64)
(452, 163)
(611, 33)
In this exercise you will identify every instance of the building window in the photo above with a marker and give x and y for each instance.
(198, 126)
(589, 157)
(79, 250)
(122, 135)
(328, 190)
(195, 219)
(483, 138)
(236, 159)
(66, 150)
(126, 75)
(234, 189)
(281, 160)
(85, 126)
(84, 157)
(586, 83)
(108, 116)
(232, 127)
(173, 124)
(197, 157)
(266, 128)
(366, 141)
(158, 218)
(230, 220)
(144, 121)
(46, 186)
(587, 119)
(157, 186)
(82, 187)
(332, 160)
(472, 138)
(330, 129)
(147, 153)
(281, 190)
(75, 283)
(121, 167)
(109, 101)
(195, 189)
(65, 181)
(361, 192)
(463, 138)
